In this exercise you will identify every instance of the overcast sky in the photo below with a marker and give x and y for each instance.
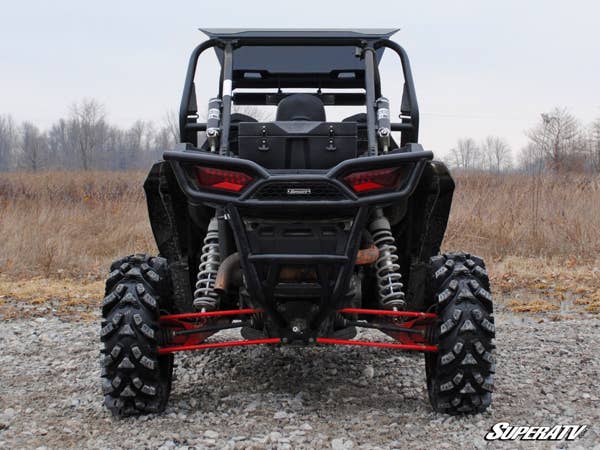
(480, 67)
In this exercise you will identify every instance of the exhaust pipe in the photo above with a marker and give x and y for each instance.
(226, 268)
(367, 255)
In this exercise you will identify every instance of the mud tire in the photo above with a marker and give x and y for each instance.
(460, 377)
(135, 379)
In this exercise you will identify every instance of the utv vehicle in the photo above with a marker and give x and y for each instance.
(298, 230)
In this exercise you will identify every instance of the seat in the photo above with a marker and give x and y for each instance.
(360, 118)
(301, 107)
(239, 117)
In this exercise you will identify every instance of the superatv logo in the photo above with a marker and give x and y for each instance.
(504, 431)
(298, 191)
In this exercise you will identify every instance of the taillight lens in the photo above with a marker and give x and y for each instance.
(373, 180)
(226, 180)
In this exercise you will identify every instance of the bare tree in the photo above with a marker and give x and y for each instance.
(61, 149)
(113, 157)
(8, 138)
(163, 140)
(134, 141)
(557, 137)
(88, 128)
(171, 123)
(262, 114)
(531, 160)
(33, 145)
(594, 145)
(465, 155)
(496, 154)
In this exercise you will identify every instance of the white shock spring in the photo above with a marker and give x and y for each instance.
(205, 297)
(389, 284)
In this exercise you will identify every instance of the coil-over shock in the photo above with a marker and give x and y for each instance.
(387, 269)
(205, 297)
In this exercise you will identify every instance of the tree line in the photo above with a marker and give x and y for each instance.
(85, 140)
(559, 142)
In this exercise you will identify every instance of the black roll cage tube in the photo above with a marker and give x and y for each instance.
(188, 126)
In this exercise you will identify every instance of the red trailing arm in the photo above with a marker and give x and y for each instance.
(408, 340)
(204, 315)
(385, 312)
(182, 348)
(196, 321)
(420, 347)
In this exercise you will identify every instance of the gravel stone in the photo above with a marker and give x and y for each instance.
(369, 372)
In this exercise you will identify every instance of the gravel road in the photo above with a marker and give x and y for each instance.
(264, 397)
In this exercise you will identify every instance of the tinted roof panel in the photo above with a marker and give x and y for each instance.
(293, 57)
(297, 59)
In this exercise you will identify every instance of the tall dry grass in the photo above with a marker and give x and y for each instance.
(77, 223)
(71, 223)
(523, 215)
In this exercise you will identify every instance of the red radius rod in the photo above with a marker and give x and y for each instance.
(239, 312)
(183, 348)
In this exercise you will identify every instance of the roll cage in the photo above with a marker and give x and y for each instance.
(275, 216)
(327, 68)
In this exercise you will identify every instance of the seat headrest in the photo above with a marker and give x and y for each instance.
(301, 107)
(360, 118)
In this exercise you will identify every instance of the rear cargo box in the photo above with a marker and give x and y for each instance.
(297, 145)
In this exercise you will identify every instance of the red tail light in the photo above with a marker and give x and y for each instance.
(371, 180)
(226, 180)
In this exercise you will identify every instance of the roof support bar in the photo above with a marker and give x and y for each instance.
(412, 136)
(226, 88)
(190, 135)
(369, 56)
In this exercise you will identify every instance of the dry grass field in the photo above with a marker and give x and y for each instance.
(529, 216)
(71, 224)
(540, 236)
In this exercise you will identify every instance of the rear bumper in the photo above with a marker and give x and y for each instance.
(263, 178)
